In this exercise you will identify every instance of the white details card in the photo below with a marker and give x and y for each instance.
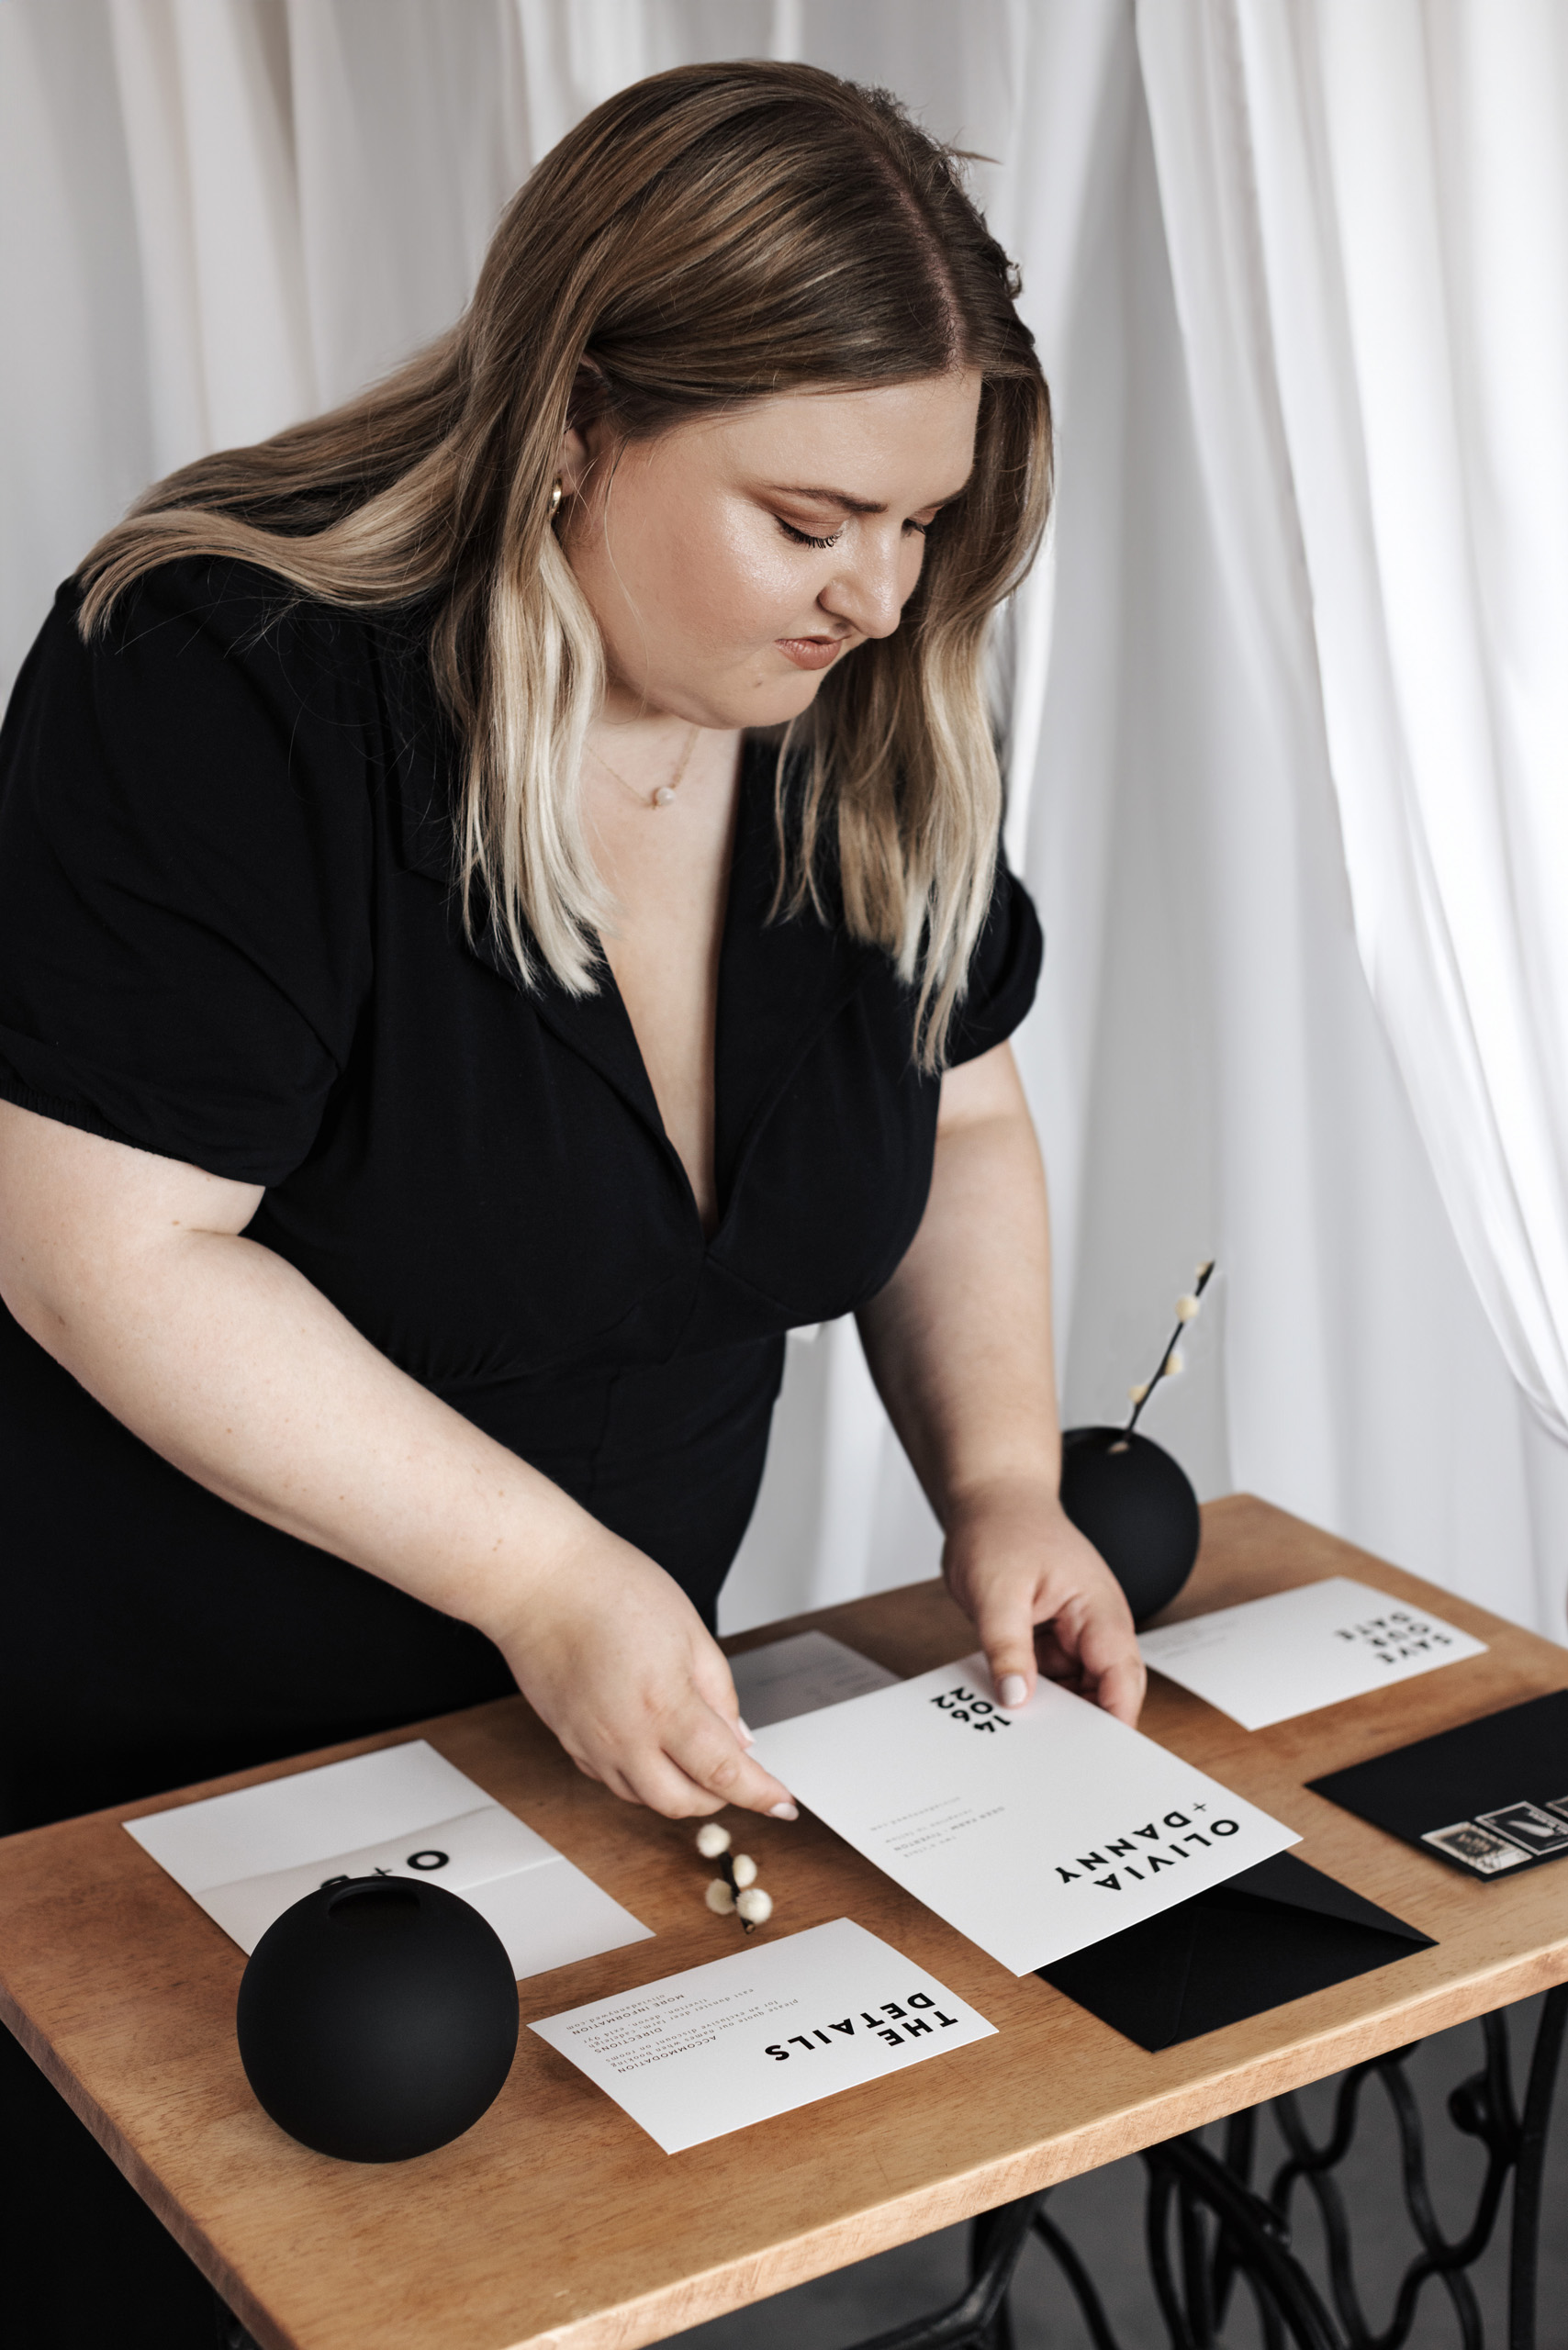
(1036, 1832)
(1270, 1659)
(405, 1811)
(798, 1676)
(749, 2037)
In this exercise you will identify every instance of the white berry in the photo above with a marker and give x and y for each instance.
(712, 1840)
(744, 1868)
(720, 1898)
(754, 1906)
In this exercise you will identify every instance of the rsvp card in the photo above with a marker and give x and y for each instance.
(1270, 1659)
(405, 1811)
(1036, 1832)
(746, 2038)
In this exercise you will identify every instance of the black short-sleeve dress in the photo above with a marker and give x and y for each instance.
(229, 935)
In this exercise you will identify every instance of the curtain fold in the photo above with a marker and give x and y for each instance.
(411, 128)
(75, 427)
(1368, 216)
(207, 104)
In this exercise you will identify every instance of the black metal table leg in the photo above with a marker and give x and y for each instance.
(978, 2320)
(231, 2335)
(1245, 2239)
(1524, 2248)
(1210, 2231)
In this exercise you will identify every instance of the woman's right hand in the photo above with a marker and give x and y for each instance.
(613, 1657)
(133, 1272)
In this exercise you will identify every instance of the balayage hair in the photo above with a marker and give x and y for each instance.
(710, 236)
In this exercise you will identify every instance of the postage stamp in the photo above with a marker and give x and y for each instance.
(1529, 1825)
(1477, 1848)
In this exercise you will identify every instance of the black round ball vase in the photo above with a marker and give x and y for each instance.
(1135, 1505)
(377, 2018)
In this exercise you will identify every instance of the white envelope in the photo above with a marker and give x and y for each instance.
(1036, 1832)
(759, 2033)
(405, 1811)
(1270, 1659)
(800, 1674)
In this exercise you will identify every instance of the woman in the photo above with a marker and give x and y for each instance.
(501, 919)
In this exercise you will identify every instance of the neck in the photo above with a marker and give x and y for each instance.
(656, 757)
(648, 728)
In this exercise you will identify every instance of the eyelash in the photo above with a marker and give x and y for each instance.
(804, 538)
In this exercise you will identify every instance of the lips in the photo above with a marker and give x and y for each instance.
(810, 652)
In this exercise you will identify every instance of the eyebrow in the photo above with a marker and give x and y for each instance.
(842, 499)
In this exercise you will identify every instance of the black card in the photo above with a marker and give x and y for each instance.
(1491, 1798)
(1274, 1933)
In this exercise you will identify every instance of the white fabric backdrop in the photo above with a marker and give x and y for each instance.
(1367, 213)
(216, 214)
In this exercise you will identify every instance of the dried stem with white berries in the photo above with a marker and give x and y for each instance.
(1170, 1361)
(737, 1891)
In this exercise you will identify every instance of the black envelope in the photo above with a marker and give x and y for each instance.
(1491, 1798)
(1274, 1933)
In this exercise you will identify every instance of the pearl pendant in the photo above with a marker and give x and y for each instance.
(664, 795)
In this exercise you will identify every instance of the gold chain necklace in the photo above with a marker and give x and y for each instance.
(666, 792)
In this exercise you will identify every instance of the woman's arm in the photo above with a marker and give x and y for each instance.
(131, 1272)
(959, 1344)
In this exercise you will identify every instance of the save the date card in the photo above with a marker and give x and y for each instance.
(1268, 1660)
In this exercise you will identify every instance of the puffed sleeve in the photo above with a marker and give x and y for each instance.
(185, 834)
(1004, 971)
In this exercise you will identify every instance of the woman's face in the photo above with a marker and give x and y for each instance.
(731, 562)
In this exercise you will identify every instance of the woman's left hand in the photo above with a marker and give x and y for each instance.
(1041, 1598)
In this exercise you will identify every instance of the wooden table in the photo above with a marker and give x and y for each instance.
(555, 2220)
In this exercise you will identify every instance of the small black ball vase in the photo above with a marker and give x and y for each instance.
(377, 2018)
(1135, 1505)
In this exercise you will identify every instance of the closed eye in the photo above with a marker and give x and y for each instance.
(804, 538)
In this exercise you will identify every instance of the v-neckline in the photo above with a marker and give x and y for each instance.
(736, 817)
(782, 979)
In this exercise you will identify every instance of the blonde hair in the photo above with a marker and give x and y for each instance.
(713, 235)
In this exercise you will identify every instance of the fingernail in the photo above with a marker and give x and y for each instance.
(783, 1811)
(1012, 1691)
(742, 1733)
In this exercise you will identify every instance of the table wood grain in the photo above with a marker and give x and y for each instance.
(555, 2221)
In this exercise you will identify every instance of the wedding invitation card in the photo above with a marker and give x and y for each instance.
(1036, 1832)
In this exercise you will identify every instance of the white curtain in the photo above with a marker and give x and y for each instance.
(216, 214)
(1367, 212)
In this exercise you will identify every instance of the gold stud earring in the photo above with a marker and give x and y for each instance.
(556, 497)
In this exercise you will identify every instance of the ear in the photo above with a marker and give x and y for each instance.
(583, 442)
(577, 458)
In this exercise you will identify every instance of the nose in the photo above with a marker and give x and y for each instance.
(867, 593)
